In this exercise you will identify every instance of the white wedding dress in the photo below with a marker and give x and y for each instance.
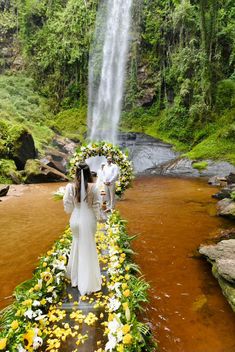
(83, 265)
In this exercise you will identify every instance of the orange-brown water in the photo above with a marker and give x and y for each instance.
(187, 311)
(30, 221)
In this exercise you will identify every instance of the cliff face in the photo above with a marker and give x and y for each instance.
(10, 56)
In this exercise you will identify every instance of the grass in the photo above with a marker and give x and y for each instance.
(71, 123)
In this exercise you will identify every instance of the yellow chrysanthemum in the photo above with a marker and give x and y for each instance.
(3, 343)
(14, 324)
(127, 293)
(125, 329)
(127, 339)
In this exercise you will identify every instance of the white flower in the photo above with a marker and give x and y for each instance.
(37, 342)
(20, 349)
(114, 304)
(49, 299)
(30, 313)
(41, 317)
(111, 344)
(36, 303)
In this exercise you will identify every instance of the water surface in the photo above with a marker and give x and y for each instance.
(187, 312)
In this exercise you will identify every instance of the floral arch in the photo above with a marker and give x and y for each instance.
(106, 149)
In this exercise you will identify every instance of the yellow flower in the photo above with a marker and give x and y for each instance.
(120, 348)
(27, 302)
(44, 264)
(124, 286)
(125, 329)
(127, 339)
(14, 324)
(127, 293)
(46, 276)
(28, 339)
(3, 343)
(125, 305)
(43, 301)
(127, 277)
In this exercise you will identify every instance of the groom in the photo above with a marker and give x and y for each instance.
(111, 173)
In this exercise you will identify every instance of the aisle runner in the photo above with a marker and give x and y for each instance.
(81, 318)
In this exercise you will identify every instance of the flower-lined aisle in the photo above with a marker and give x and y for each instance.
(49, 315)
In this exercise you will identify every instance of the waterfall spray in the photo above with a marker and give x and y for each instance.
(107, 65)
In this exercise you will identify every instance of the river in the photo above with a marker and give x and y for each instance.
(187, 311)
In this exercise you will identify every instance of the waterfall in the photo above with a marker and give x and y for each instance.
(107, 64)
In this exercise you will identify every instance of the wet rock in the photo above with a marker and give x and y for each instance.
(217, 181)
(147, 153)
(231, 178)
(226, 207)
(4, 190)
(24, 149)
(184, 167)
(179, 167)
(222, 250)
(38, 172)
(226, 269)
(223, 254)
(222, 258)
(224, 192)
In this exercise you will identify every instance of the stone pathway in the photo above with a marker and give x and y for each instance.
(73, 302)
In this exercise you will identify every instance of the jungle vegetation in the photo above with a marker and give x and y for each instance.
(180, 84)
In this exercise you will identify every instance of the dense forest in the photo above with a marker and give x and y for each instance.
(180, 83)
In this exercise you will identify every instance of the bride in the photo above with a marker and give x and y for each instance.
(82, 200)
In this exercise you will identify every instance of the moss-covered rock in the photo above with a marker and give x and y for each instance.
(8, 172)
(38, 172)
(200, 165)
(228, 288)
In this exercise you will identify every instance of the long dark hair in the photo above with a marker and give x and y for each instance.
(87, 179)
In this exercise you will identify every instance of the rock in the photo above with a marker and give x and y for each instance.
(4, 190)
(231, 178)
(54, 164)
(226, 207)
(223, 254)
(147, 153)
(217, 181)
(184, 167)
(223, 249)
(65, 145)
(15, 177)
(38, 172)
(226, 269)
(24, 149)
(224, 192)
(179, 167)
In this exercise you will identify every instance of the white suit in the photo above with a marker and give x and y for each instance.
(111, 173)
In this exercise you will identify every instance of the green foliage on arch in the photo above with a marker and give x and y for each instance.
(119, 157)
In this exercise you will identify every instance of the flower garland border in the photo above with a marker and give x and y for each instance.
(103, 148)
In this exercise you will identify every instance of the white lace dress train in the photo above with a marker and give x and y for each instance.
(83, 265)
